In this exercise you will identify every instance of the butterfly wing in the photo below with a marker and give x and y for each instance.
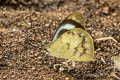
(75, 44)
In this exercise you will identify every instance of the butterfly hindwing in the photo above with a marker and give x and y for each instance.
(75, 44)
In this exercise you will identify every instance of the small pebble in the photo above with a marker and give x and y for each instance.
(106, 10)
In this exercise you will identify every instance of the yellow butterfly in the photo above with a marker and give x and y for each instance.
(71, 41)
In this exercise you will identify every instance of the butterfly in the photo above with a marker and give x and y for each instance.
(72, 41)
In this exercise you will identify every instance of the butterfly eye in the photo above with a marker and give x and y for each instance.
(47, 47)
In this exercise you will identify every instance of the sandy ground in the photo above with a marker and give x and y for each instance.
(27, 26)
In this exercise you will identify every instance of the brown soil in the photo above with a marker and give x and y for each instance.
(26, 26)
